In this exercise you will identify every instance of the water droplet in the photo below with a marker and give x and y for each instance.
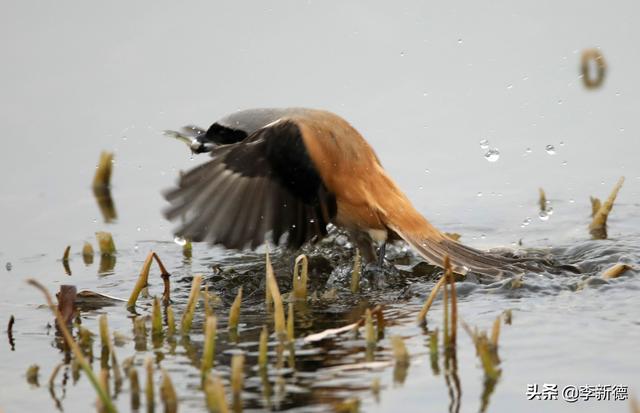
(543, 215)
(459, 41)
(549, 210)
(425, 94)
(401, 54)
(135, 247)
(421, 187)
(617, 93)
(8, 266)
(572, 201)
(527, 150)
(559, 101)
(484, 143)
(124, 138)
(526, 222)
(138, 229)
(561, 143)
(510, 86)
(95, 220)
(551, 150)
(479, 194)
(492, 155)
(427, 171)
(293, 226)
(180, 241)
(564, 163)
(311, 221)
(482, 236)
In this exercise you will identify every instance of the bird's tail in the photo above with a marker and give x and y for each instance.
(434, 246)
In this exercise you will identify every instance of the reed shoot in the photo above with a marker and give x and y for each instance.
(171, 321)
(32, 374)
(211, 328)
(400, 353)
(300, 277)
(422, 315)
(105, 243)
(143, 281)
(187, 317)
(616, 271)
(156, 318)
(542, 200)
(234, 312)
(278, 309)
(102, 178)
(598, 227)
(87, 253)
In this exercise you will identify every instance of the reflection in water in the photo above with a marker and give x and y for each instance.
(105, 203)
(266, 388)
(52, 392)
(487, 390)
(451, 378)
(12, 342)
(67, 268)
(332, 371)
(107, 264)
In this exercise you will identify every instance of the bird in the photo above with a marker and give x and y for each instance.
(282, 175)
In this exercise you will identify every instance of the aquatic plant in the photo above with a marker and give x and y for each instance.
(278, 309)
(143, 281)
(598, 226)
(300, 277)
(187, 316)
(104, 397)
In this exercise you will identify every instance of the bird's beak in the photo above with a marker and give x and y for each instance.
(195, 143)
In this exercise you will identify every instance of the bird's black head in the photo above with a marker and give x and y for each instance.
(222, 135)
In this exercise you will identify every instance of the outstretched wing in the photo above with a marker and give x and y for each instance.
(266, 184)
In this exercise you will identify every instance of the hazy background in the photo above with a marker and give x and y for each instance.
(424, 82)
